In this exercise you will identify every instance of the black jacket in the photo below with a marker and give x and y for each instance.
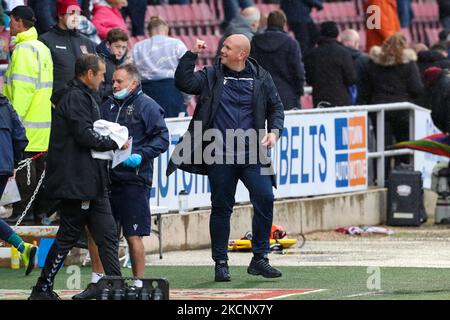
(431, 58)
(66, 46)
(330, 71)
(438, 100)
(299, 11)
(72, 173)
(13, 140)
(111, 63)
(444, 8)
(45, 11)
(208, 85)
(388, 82)
(144, 119)
(280, 55)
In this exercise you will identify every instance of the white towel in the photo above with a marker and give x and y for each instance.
(113, 130)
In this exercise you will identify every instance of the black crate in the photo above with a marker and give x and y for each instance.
(405, 198)
(121, 288)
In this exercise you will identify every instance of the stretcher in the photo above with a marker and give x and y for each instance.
(246, 244)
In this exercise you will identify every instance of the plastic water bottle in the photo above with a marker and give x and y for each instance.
(144, 294)
(104, 295)
(15, 259)
(118, 294)
(131, 294)
(158, 294)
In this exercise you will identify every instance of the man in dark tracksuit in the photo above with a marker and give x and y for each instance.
(78, 179)
(132, 179)
(234, 94)
(66, 45)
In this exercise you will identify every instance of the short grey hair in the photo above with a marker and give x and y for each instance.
(131, 69)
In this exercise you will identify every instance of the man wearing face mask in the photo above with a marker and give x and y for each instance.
(132, 179)
(66, 44)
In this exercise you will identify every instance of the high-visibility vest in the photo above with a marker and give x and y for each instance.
(28, 86)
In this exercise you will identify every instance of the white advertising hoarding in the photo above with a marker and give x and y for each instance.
(321, 153)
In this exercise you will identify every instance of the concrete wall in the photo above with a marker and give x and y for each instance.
(191, 231)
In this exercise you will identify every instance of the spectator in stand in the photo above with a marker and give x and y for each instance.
(247, 23)
(231, 10)
(392, 76)
(350, 39)
(45, 11)
(298, 14)
(437, 85)
(280, 55)
(329, 69)
(11, 4)
(437, 56)
(405, 13)
(136, 10)
(66, 44)
(444, 13)
(157, 72)
(107, 16)
(114, 51)
(390, 22)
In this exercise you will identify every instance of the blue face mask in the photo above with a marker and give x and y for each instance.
(122, 94)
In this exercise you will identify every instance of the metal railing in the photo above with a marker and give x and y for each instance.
(380, 154)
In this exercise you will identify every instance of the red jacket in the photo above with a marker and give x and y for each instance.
(106, 18)
(389, 20)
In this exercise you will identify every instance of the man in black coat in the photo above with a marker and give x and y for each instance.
(330, 69)
(66, 44)
(444, 13)
(78, 179)
(300, 22)
(279, 54)
(235, 94)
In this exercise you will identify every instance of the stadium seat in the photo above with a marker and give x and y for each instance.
(432, 36)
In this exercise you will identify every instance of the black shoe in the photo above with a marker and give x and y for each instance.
(91, 292)
(263, 268)
(221, 272)
(39, 294)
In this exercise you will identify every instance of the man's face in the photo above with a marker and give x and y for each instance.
(15, 26)
(118, 48)
(230, 53)
(71, 20)
(95, 80)
(122, 80)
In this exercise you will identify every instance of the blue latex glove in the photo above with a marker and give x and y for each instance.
(133, 161)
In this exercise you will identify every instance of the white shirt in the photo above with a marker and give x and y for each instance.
(157, 58)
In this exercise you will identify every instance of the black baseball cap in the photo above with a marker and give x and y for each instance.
(23, 12)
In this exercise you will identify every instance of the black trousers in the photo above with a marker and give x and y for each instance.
(136, 11)
(74, 218)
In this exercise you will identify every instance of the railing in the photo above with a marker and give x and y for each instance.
(380, 153)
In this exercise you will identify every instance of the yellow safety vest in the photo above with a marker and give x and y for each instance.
(28, 86)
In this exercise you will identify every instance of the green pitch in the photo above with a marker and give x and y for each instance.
(336, 282)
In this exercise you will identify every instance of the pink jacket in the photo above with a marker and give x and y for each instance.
(106, 18)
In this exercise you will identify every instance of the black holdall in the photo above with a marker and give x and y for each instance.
(405, 198)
